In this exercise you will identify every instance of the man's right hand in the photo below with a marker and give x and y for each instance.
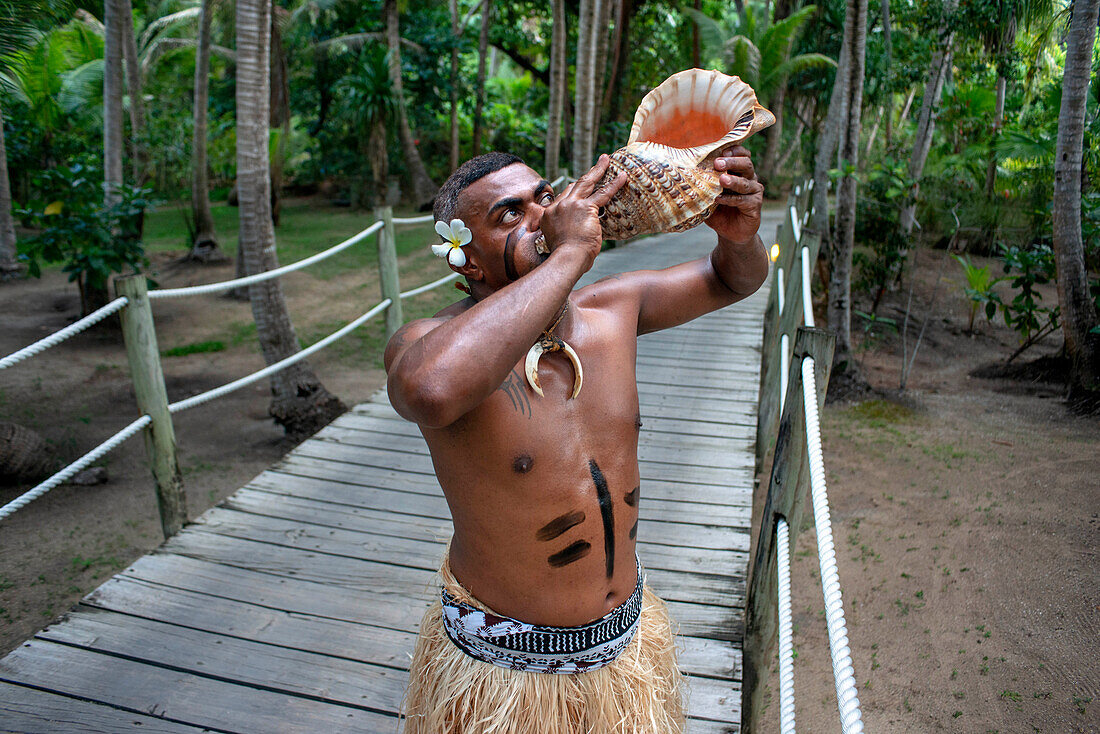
(573, 218)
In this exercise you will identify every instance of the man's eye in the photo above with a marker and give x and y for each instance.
(547, 198)
(510, 216)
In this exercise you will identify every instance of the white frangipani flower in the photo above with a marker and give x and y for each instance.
(455, 235)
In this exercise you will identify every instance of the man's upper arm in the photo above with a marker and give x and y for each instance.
(673, 296)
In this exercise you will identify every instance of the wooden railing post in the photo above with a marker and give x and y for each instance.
(787, 489)
(152, 400)
(387, 271)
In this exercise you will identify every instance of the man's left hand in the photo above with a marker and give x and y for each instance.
(737, 217)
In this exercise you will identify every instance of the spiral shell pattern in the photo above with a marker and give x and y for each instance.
(679, 128)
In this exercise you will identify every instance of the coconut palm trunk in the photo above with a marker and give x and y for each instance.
(112, 99)
(603, 16)
(424, 189)
(455, 37)
(840, 260)
(9, 264)
(482, 58)
(300, 403)
(583, 87)
(825, 156)
(558, 66)
(204, 246)
(1078, 313)
(139, 159)
(926, 122)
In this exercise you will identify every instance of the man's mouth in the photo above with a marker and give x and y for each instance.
(540, 244)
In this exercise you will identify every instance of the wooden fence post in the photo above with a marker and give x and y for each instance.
(786, 495)
(387, 271)
(152, 399)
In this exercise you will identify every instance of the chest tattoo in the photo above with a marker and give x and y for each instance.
(514, 387)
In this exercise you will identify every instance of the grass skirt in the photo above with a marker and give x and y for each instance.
(452, 693)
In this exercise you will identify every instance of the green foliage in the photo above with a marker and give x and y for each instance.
(979, 289)
(1027, 268)
(91, 241)
(881, 257)
(196, 348)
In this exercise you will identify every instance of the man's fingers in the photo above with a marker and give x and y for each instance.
(740, 185)
(587, 183)
(736, 165)
(604, 195)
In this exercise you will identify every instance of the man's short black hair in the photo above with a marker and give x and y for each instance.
(446, 201)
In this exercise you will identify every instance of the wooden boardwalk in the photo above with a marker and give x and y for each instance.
(293, 606)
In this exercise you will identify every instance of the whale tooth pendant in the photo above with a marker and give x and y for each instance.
(545, 345)
(679, 129)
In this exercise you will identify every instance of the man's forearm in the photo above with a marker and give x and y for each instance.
(454, 367)
(742, 267)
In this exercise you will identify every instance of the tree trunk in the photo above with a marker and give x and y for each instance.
(1078, 314)
(204, 247)
(840, 261)
(455, 36)
(773, 136)
(424, 189)
(998, 122)
(9, 264)
(482, 53)
(299, 402)
(926, 123)
(582, 125)
(616, 96)
(558, 68)
(825, 155)
(113, 18)
(139, 158)
(599, 71)
(618, 10)
(888, 45)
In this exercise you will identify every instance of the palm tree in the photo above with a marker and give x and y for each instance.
(558, 67)
(113, 18)
(204, 243)
(840, 255)
(1080, 323)
(751, 46)
(369, 105)
(300, 403)
(424, 189)
(482, 57)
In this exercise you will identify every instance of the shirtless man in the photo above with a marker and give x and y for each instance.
(544, 490)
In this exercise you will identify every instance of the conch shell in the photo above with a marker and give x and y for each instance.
(679, 129)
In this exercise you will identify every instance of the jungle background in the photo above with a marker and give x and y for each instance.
(954, 152)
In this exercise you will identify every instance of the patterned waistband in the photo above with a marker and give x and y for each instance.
(509, 643)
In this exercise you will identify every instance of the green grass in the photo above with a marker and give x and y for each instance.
(197, 348)
(306, 227)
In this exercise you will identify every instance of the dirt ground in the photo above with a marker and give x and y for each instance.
(966, 517)
(966, 512)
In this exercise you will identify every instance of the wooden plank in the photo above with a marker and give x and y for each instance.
(178, 696)
(716, 700)
(31, 711)
(244, 619)
(342, 679)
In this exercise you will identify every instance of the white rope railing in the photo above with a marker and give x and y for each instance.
(840, 654)
(70, 471)
(430, 286)
(62, 334)
(225, 285)
(414, 220)
(217, 392)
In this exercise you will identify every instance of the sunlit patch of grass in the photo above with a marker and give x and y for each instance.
(881, 412)
(215, 345)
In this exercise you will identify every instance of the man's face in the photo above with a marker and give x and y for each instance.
(503, 211)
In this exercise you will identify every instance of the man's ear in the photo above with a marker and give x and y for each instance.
(471, 270)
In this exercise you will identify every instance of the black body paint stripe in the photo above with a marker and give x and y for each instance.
(572, 552)
(634, 531)
(559, 525)
(604, 497)
(510, 254)
(632, 497)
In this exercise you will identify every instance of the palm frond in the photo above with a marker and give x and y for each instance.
(743, 59)
(1018, 144)
(82, 87)
(712, 34)
(180, 17)
(354, 42)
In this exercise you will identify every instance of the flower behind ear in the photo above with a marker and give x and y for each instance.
(455, 235)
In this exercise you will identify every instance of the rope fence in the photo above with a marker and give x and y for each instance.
(792, 390)
(140, 335)
(61, 335)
